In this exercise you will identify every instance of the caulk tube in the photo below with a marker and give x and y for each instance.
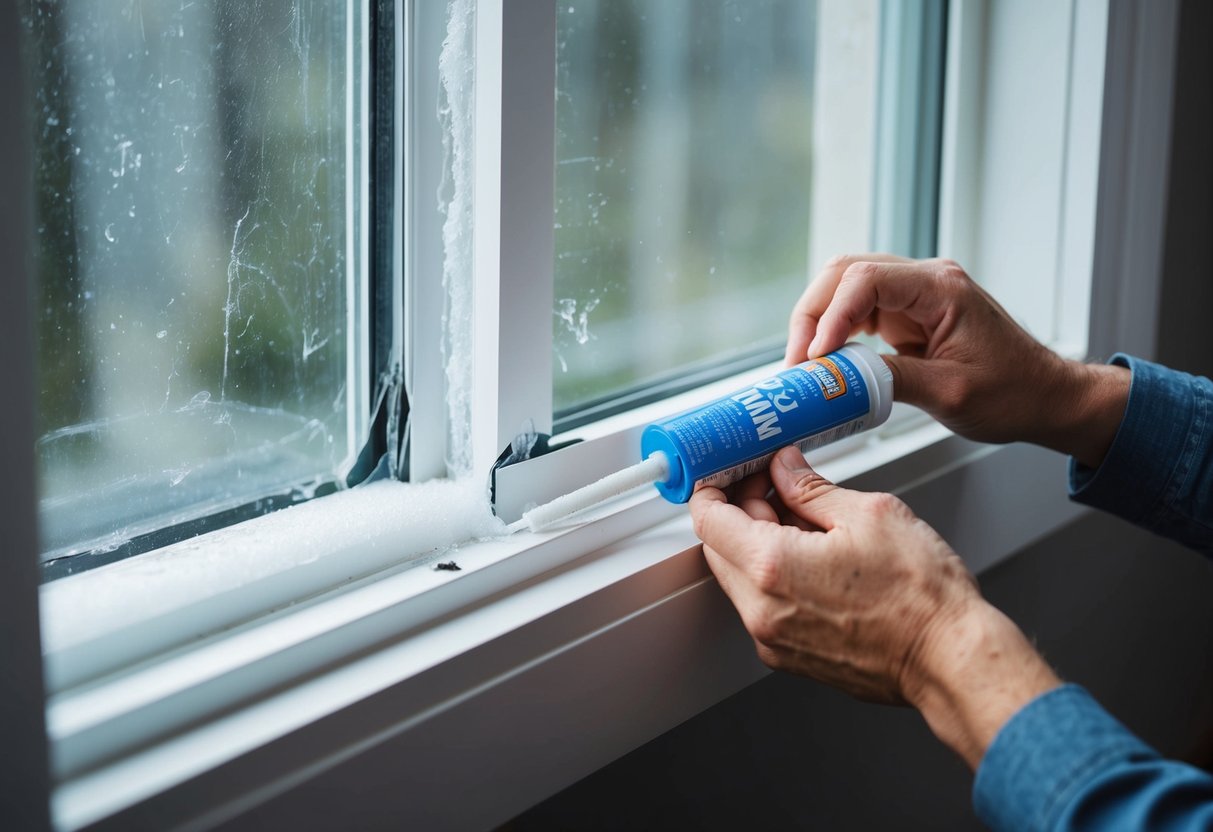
(809, 405)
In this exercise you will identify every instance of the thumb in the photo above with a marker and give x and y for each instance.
(806, 493)
(912, 381)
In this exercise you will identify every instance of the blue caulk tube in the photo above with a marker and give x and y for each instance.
(718, 443)
(809, 405)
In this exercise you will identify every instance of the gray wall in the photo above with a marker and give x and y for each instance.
(1113, 608)
(1185, 338)
(23, 773)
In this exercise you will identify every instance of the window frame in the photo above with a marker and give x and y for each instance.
(637, 611)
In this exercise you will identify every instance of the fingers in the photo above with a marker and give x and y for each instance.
(750, 495)
(721, 525)
(909, 288)
(754, 545)
(807, 494)
(802, 327)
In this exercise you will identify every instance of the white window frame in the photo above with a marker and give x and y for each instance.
(527, 673)
(514, 237)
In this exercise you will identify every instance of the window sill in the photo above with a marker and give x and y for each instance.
(549, 656)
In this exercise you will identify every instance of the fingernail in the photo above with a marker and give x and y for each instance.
(813, 348)
(792, 460)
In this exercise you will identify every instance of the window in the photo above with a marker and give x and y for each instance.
(221, 325)
(202, 268)
(204, 708)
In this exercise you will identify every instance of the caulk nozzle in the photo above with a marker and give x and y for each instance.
(654, 469)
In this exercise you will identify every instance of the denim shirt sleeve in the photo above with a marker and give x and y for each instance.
(1158, 472)
(1063, 763)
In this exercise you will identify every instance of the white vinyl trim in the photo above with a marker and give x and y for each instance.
(959, 179)
(513, 234)
(424, 26)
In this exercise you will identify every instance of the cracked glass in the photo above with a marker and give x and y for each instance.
(197, 258)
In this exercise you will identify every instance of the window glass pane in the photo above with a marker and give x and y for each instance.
(195, 228)
(683, 185)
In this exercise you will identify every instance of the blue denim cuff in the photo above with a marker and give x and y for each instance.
(1043, 757)
(1149, 459)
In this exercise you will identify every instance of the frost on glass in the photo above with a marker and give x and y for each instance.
(457, 99)
(191, 161)
(684, 137)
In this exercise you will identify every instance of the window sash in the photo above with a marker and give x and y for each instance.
(514, 279)
(361, 365)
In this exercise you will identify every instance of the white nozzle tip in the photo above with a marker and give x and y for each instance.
(655, 468)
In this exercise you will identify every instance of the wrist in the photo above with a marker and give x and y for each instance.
(1090, 406)
(973, 673)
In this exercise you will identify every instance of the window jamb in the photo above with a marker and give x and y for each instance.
(960, 136)
(1080, 189)
(513, 234)
(1035, 240)
(910, 102)
(358, 151)
(423, 27)
(1019, 196)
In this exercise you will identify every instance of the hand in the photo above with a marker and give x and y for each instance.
(853, 590)
(960, 356)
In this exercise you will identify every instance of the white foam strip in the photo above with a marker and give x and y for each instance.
(655, 468)
(270, 560)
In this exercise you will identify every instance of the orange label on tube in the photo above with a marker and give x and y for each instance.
(826, 373)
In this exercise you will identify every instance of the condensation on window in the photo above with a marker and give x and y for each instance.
(683, 185)
(193, 228)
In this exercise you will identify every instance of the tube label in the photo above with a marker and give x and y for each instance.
(808, 405)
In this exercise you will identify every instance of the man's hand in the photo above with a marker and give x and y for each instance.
(960, 356)
(853, 590)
